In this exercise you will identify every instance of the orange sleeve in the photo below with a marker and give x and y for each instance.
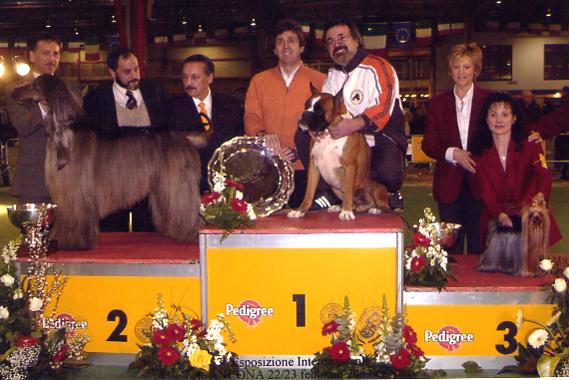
(386, 79)
(253, 116)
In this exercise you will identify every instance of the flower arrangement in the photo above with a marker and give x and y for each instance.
(548, 345)
(225, 207)
(180, 345)
(426, 262)
(27, 349)
(395, 352)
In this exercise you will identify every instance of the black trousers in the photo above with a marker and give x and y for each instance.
(387, 160)
(465, 210)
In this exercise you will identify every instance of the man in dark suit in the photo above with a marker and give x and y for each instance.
(125, 107)
(28, 120)
(184, 110)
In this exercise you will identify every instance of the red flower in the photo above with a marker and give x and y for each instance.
(409, 334)
(195, 324)
(239, 205)
(61, 354)
(161, 338)
(416, 351)
(168, 355)
(417, 263)
(400, 359)
(235, 184)
(26, 341)
(421, 240)
(210, 197)
(330, 327)
(176, 332)
(340, 352)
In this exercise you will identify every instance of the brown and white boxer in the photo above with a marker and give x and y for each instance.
(344, 163)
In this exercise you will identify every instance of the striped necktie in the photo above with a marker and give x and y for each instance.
(203, 117)
(131, 102)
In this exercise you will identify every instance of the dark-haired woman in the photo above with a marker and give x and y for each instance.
(510, 171)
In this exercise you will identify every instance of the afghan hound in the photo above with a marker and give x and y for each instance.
(90, 177)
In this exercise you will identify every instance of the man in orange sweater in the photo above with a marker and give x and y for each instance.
(276, 97)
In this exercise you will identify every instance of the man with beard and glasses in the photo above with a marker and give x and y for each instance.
(125, 107)
(371, 94)
(185, 110)
(28, 120)
(276, 97)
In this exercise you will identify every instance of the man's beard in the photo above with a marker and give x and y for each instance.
(131, 85)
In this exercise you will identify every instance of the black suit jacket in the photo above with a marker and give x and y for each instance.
(100, 108)
(227, 122)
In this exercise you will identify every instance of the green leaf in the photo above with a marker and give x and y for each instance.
(471, 367)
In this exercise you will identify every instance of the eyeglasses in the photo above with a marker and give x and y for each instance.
(339, 38)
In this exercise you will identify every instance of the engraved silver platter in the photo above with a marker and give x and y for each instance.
(268, 179)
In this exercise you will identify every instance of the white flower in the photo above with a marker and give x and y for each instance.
(7, 280)
(519, 319)
(560, 285)
(546, 265)
(4, 313)
(566, 272)
(18, 294)
(553, 319)
(238, 194)
(35, 304)
(218, 187)
(537, 338)
(251, 212)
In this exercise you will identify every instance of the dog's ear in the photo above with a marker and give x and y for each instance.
(339, 107)
(313, 90)
(539, 200)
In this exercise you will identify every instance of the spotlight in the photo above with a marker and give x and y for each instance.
(47, 24)
(22, 68)
(253, 23)
(548, 12)
(200, 29)
(113, 19)
(184, 21)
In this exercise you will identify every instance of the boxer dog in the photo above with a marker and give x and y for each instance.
(344, 163)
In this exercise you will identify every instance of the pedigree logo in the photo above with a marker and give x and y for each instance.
(249, 311)
(448, 337)
(66, 321)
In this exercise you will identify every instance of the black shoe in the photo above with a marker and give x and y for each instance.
(324, 200)
(396, 200)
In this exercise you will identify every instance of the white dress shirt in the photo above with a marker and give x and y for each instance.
(207, 101)
(463, 108)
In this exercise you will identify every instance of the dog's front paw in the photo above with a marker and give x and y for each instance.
(347, 215)
(374, 211)
(295, 214)
(334, 208)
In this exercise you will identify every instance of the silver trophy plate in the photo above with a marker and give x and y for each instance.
(267, 178)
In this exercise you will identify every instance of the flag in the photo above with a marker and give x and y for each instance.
(20, 44)
(161, 41)
(3, 44)
(319, 35)
(92, 49)
(457, 28)
(220, 34)
(554, 29)
(75, 46)
(179, 39)
(535, 27)
(402, 34)
(424, 33)
(241, 30)
(443, 30)
(514, 26)
(200, 37)
(375, 38)
(305, 29)
(492, 25)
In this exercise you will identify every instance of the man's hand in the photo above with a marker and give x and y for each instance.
(505, 220)
(464, 159)
(346, 127)
(289, 154)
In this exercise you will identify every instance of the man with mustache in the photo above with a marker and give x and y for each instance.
(28, 120)
(371, 94)
(185, 110)
(126, 106)
(275, 99)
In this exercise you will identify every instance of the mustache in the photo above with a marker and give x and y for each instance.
(189, 88)
(338, 48)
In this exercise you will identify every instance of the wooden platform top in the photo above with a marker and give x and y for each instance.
(316, 222)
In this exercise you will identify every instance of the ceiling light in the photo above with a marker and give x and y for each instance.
(200, 29)
(48, 24)
(548, 12)
(253, 23)
(498, 2)
(184, 21)
(113, 19)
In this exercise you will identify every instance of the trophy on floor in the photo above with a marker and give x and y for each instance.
(34, 221)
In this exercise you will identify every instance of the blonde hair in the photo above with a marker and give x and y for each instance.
(470, 50)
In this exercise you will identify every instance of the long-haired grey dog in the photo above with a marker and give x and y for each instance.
(90, 178)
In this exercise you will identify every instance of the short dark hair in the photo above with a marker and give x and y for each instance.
(33, 43)
(354, 31)
(115, 55)
(208, 63)
(289, 25)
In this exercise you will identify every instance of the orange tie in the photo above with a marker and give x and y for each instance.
(204, 119)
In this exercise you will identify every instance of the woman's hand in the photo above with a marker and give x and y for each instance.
(505, 220)
(289, 154)
(464, 159)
